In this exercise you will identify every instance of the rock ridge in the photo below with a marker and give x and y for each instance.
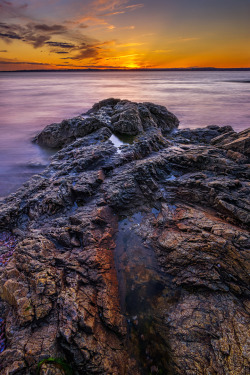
(129, 258)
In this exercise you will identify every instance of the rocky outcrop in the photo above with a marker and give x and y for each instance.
(234, 142)
(121, 116)
(129, 260)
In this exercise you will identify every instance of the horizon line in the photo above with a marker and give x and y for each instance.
(126, 69)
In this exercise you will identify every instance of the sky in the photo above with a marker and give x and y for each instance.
(124, 34)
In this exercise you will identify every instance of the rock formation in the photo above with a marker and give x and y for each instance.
(130, 259)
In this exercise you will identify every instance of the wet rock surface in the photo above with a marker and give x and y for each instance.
(132, 260)
(121, 116)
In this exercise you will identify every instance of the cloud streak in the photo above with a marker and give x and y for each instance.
(8, 62)
(91, 66)
(57, 29)
(10, 35)
(102, 9)
(61, 45)
(134, 7)
(106, 5)
(87, 53)
(34, 34)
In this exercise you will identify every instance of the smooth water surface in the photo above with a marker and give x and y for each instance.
(31, 100)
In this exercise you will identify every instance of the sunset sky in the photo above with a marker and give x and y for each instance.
(59, 34)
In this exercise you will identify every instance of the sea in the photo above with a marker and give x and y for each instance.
(31, 100)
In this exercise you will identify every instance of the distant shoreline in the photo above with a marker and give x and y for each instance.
(133, 70)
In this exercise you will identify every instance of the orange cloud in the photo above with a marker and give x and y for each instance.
(113, 13)
(135, 6)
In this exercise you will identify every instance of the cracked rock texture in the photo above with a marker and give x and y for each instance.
(61, 294)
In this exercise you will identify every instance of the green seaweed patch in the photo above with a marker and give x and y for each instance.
(58, 362)
(28, 308)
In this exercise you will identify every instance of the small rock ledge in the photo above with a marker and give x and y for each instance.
(60, 295)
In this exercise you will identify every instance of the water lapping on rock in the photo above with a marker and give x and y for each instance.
(124, 256)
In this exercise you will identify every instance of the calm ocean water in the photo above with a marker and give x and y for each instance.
(29, 101)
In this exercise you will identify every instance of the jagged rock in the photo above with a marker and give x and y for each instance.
(241, 144)
(206, 135)
(236, 142)
(58, 135)
(121, 116)
(130, 262)
(164, 119)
